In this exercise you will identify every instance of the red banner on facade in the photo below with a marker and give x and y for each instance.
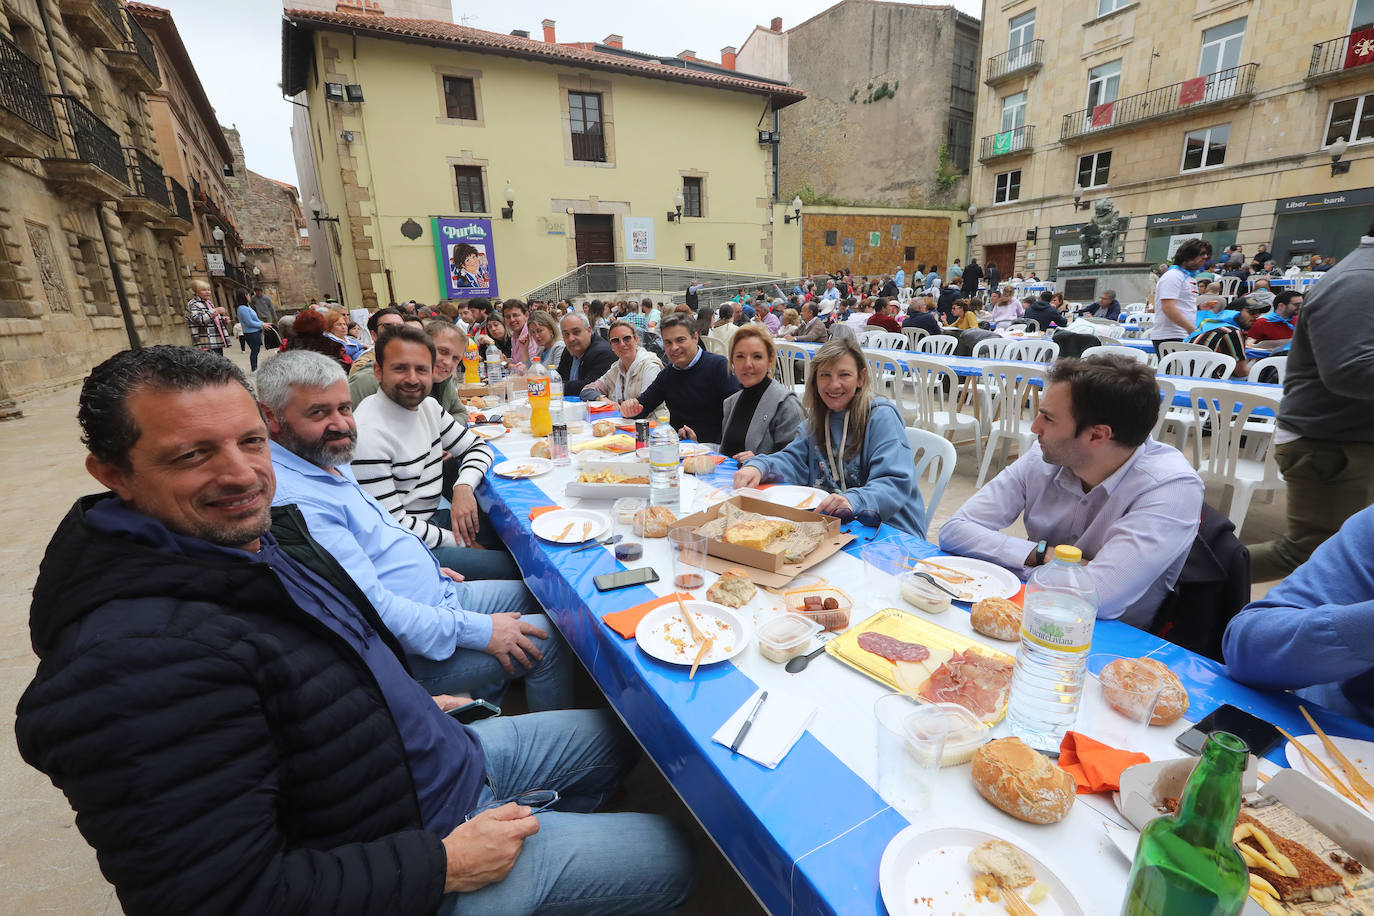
(1360, 49)
(1102, 114)
(1192, 90)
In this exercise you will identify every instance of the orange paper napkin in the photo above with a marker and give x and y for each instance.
(625, 622)
(1094, 766)
(540, 510)
(602, 408)
(630, 427)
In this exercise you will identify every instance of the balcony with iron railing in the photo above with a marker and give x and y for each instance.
(90, 162)
(100, 22)
(149, 199)
(134, 59)
(181, 202)
(1337, 58)
(27, 125)
(1018, 61)
(1223, 89)
(1008, 143)
(589, 146)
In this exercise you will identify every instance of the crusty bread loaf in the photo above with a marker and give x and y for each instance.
(1003, 861)
(998, 618)
(757, 533)
(699, 464)
(1022, 782)
(540, 449)
(653, 522)
(603, 427)
(1135, 674)
(734, 588)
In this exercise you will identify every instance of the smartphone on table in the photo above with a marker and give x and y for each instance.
(608, 582)
(1258, 735)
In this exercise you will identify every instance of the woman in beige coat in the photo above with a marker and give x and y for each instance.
(631, 373)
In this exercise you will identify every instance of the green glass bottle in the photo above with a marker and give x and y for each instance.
(1186, 864)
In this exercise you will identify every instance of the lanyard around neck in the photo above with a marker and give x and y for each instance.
(836, 467)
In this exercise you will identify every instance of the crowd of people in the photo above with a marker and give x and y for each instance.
(258, 708)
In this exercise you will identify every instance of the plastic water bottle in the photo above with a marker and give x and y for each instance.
(494, 371)
(558, 438)
(537, 384)
(1056, 633)
(665, 488)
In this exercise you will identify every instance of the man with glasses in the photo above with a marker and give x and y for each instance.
(633, 370)
(694, 388)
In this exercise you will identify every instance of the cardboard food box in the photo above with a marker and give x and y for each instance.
(473, 390)
(767, 569)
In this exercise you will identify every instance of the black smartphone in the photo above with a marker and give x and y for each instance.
(609, 582)
(474, 711)
(1258, 735)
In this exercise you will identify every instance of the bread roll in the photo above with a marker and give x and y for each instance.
(653, 522)
(998, 618)
(1134, 674)
(603, 427)
(1004, 862)
(540, 449)
(699, 464)
(1022, 782)
(734, 588)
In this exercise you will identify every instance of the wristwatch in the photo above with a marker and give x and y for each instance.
(1040, 553)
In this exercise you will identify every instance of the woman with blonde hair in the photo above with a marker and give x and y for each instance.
(206, 320)
(853, 446)
(762, 416)
(544, 330)
(791, 323)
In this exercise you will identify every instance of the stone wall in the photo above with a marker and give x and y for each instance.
(925, 238)
(268, 213)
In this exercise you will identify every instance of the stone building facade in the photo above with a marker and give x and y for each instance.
(276, 243)
(887, 85)
(90, 260)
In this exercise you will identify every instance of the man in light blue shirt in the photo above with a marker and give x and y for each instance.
(1095, 480)
(459, 637)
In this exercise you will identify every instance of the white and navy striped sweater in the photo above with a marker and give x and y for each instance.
(400, 455)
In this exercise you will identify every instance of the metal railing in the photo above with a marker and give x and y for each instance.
(148, 180)
(181, 202)
(1224, 85)
(235, 273)
(21, 89)
(1329, 57)
(589, 146)
(91, 139)
(1022, 57)
(112, 12)
(625, 277)
(141, 44)
(1016, 140)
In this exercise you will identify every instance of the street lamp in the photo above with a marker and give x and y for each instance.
(316, 207)
(508, 211)
(675, 215)
(1337, 150)
(796, 211)
(1078, 202)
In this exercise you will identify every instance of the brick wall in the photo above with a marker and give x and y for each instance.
(269, 217)
(928, 235)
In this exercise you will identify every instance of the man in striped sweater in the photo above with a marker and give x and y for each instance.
(404, 437)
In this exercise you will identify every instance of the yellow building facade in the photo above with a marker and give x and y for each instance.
(451, 117)
(1208, 117)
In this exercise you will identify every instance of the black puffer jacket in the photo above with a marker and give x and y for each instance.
(224, 751)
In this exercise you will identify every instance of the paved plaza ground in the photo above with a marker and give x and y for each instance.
(45, 865)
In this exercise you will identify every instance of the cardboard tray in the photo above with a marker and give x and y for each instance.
(766, 569)
(473, 390)
(610, 490)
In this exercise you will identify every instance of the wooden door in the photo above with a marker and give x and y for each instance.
(596, 245)
(1004, 256)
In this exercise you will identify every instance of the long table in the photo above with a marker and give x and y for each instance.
(808, 836)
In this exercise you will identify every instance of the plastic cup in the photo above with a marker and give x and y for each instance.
(884, 563)
(630, 547)
(911, 743)
(1114, 714)
(689, 558)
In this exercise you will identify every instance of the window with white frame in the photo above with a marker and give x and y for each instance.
(1205, 148)
(1014, 111)
(1110, 6)
(1352, 119)
(1007, 187)
(1093, 169)
(1021, 30)
(1221, 47)
(1104, 82)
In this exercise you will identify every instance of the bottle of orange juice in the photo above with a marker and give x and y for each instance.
(471, 359)
(537, 384)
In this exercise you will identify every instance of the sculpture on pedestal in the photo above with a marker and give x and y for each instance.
(1100, 234)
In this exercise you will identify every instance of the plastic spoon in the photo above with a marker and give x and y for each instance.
(798, 665)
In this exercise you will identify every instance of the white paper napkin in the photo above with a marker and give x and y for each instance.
(777, 727)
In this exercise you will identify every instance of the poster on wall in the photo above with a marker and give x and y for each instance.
(639, 238)
(1176, 240)
(466, 257)
(1070, 255)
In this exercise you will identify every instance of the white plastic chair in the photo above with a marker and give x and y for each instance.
(994, 348)
(714, 345)
(1104, 327)
(939, 344)
(1139, 356)
(1229, 287)
(913, 336)
(1010, 384)
(929, 399)
(1167, 392)
(789, 355)
(1175, 346)
(1035, 351)
(1235, 464)
(885, 340)
(1278, 363)
(885, 374)
(935, 453)
(1201, 363)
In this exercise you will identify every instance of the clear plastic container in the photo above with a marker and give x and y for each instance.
(834, 619)
(786, 636)
(966, 734)
(921, 594)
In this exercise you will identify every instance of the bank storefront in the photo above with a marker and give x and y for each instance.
(1326, 224)
(1164, 232)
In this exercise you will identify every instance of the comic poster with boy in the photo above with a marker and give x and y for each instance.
(466, 257)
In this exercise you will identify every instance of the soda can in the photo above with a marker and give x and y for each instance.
(641, 437)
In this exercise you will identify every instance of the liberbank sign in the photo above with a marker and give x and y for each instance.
(1356, 198)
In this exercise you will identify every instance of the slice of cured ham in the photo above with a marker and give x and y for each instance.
(893, 649)
(976, 682)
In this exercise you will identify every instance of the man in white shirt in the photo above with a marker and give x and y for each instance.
(1176, 293)
(403, 438)
(832, 292)
(1096, 480)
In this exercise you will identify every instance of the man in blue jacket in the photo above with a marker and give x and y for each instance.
(694, 386)
(235, 726)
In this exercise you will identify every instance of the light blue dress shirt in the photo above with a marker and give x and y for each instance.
(392, 566)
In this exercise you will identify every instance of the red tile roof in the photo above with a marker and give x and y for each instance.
(448, 34)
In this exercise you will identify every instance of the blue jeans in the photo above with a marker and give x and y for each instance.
(491, 561)
(472, 672)
(254, 339)
(601, 864)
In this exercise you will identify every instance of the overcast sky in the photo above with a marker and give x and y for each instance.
(236, 47)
